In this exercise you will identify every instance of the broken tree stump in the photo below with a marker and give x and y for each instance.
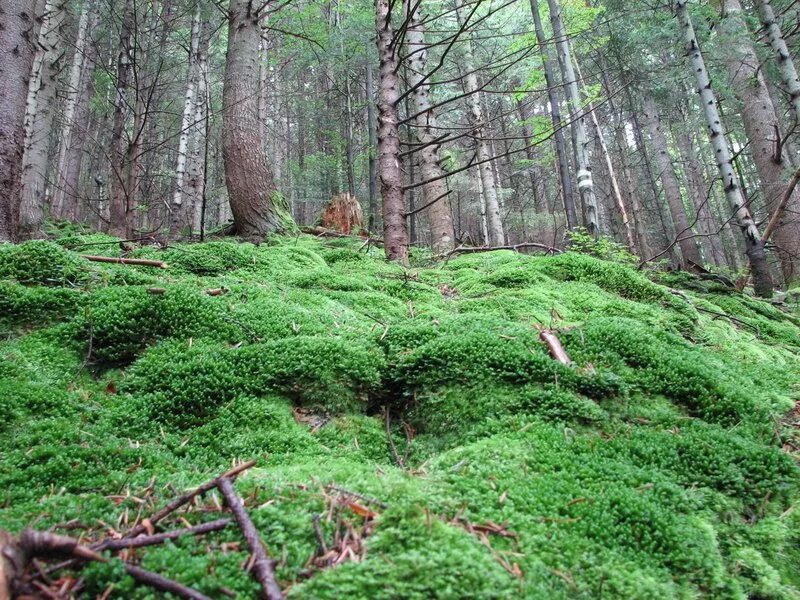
(343, 214)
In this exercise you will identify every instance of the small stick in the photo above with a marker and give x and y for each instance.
(263, 566)
(160, 582)
(126, 261)
(181, 500)
(160, 538)
(554, 345)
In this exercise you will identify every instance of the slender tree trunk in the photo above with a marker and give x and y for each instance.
(754, 245)
(48, 64)
(761, 126)
(16, 52)
(424, 133)
(560, 141)
(258, 208)
(784, 58)
(697, 187)
(395, 235)
(197, 171)
(477, 122)
(672, 187)
(180, 216)
(64, 194)
(372, 183)
(578, 119)
(530, 154)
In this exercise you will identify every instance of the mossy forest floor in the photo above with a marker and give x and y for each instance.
(661, 465)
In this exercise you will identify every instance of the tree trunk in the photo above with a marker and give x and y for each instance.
(784, 57)
(16, 50)
(372, 184)
(760, 124)
(698, 189)
(47, 66)
(65, 192)
(258, 208)
(424, 133)
(395, 235)
(476, 120)
(672, 187)
(578, 119)
(754, 245)
(197, 171)
(181, 217)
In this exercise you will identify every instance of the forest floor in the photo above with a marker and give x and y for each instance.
(413, 436)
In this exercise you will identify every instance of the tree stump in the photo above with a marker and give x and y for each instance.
(343, 214)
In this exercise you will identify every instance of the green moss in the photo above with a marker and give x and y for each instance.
(43, 263)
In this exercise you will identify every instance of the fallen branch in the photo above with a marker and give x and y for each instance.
(160, 538)
(159, 582)
(554, 345)
(514, 247)
(125, 261)
(263, 566)
(181, 500)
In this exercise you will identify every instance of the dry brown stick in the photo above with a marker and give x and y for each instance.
(160, 538)
(126, 261)
(515, 248)
(159, 582)
(776, 216)
(263, 566)
(181, 500)
(554, 345)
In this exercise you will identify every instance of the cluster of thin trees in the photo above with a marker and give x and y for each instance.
(670, 126)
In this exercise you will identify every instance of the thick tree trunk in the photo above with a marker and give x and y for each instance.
(65, 192)
(41, 108)
(424, 133)
(258, 208)
(578, 119)
(16, 58)
(562, 156)
(395, 235)
(760, 124)
(181, 217)
(476, 120)
(672, 187)
(754, 245)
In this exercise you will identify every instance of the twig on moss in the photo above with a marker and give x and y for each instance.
(514, 247)
(397, 458)
(367, 499)
(126, 261)
(554, 345)
(160, 538)
(185, 498)
(160, 582)
(263, 565)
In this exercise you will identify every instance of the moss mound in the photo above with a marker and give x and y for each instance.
(657, 465)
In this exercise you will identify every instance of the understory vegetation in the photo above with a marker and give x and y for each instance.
(661, 464)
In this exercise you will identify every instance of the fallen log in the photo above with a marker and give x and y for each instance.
(125, 261)
(263, 565)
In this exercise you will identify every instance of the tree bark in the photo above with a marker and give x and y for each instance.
(16, 50)
(372, 183)
(562, 156)
(760, 124)
(181, 217)
(48, 63)
(754, 245)
(258, 208)
(784, 57)
(424, 133)
(672, 187)
(477, 122)
(578, 119)
(395, 234)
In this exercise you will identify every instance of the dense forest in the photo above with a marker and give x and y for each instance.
(484, 299)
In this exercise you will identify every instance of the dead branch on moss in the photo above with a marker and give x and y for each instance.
(557, 351)
(514, 247)
(125, 261)
(263, 565)
(160, 538)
